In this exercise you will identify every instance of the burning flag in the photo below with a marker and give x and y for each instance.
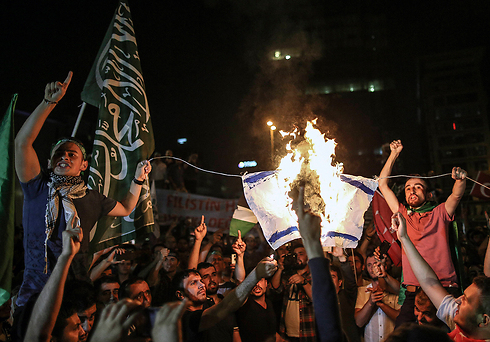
(340, 200)
(124, 134)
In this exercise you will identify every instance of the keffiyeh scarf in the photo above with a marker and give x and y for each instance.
(66, 188)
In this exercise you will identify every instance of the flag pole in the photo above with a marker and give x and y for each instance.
(80, 114)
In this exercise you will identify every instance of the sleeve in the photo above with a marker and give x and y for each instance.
(447, 310)
(325, 301)
(106, 203)
(34, 187)
(349, 282)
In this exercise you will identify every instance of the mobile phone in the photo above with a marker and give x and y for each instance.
(233, 259)
(383, 248)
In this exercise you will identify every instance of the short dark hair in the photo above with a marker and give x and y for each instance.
(104, 280)
(483, 284)
(124, 290)
(412, 332)
(157, 245)
(67, 309)
(336, 269)
(428, 185)
(178, 280)
(202, 265)
(357, 254)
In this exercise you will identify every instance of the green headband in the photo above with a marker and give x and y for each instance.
(65, 140)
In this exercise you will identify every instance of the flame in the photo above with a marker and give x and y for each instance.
(311, 162)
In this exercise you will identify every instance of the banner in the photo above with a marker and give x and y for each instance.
(382, 222)
(174, 205)
(124, 134)
(7, 198)
(270, 204)
(478, 190)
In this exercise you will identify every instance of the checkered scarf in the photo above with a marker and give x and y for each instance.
(66, 188)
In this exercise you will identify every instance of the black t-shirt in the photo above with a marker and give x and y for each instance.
(190, 326)
(255, 322)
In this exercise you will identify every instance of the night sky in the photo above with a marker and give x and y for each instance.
(202, 59)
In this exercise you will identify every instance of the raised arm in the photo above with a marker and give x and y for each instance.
(323, 290)
(423, 272)
(396, 147)
(48, 304)
(96, 272)
(459, 176)
(26, 162)
(239, 248)
(126, 206)
(236, 297)
(199, 233)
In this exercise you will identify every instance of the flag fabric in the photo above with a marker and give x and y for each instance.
(243, 220)
(124, 134)
(382, 222)
(479, 191)
(270, 204)
(7, 196)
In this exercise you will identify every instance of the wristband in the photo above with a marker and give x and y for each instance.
(138, 181)
(50, 102)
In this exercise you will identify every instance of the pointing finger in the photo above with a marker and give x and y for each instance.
(68, 79)
(239, 234)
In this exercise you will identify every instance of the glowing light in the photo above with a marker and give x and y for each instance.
(371, 88)
(287, 57)
(277, 54)
(269, 123)
(454, 126)
(249, 163)
(182, 141)
(273, 128)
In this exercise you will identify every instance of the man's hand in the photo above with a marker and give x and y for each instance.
(376, 296)
(396, 147)
(239, 246)
(55, 91)
(266, 268)
(201, 230)
(458, 173)
(115, 320)
(142, 170)
(112, 257)
(72, 238)
(339, 253)
(165, 328)
(296, 279)
(399, 224)
(310, 228)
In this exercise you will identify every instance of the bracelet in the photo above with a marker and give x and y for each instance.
(138, 181)
(50, 102)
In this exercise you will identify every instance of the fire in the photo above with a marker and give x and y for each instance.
(312, 162)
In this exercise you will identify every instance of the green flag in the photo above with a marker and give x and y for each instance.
(7, 196)
(124, 134)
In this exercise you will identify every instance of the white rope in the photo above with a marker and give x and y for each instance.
(194, 166)
(377, 179)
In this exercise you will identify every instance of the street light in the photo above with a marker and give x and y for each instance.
(272, 129)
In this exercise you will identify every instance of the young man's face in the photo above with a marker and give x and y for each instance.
(468, 304)
(124, 267)
(87, 318)
(259, 289)
(170, 264)
(194, 288)
(301, 257)
(424, 312)
(210, 278)
(370, 267)
(73, 331)
(109, 293)
(355, 264)
(415, 192)
(141, 293)
(67, 160)
(336, 281)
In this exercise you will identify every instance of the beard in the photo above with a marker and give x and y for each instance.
(212, 290)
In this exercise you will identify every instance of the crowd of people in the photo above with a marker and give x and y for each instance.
(191, 284)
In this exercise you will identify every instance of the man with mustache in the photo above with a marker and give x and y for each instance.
(427, 226)
(256, 318)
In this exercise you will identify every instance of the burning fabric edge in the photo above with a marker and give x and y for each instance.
(271, 205)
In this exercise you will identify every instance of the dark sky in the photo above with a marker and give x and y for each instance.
(200, 59)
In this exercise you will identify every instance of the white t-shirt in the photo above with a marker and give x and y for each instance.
(380, 325)
(291, 317)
